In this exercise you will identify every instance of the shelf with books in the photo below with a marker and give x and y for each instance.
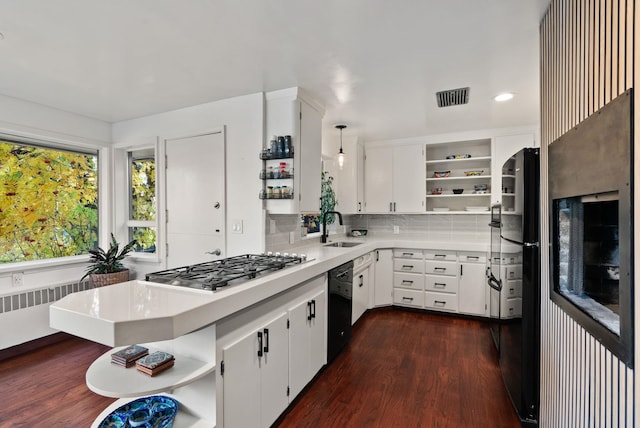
(193, 370)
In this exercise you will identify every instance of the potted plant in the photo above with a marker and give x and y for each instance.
(106, 267)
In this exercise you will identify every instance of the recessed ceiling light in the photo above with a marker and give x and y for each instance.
(503, 97)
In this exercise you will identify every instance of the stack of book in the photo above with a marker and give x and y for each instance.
(155, 363)
(127, 357)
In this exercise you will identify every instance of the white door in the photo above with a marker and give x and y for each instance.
(241, 382)
(409, 185)
(299, 339)
(360, 295)
(196, 203)
(378, 166)
(274, 370)
(471, 289)
(383, 287)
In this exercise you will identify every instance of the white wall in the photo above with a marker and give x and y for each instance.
(243, 119)
(23, 119)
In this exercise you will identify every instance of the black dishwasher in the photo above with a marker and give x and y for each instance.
(340, 292)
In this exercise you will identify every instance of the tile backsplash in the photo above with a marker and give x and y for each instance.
(436, 227)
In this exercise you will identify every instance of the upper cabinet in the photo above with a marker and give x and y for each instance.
(291, 112)
(349, 181)
(459, 176)
(394, 179)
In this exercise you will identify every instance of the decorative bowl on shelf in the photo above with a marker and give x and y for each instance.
(480, 188)
(441, 174)
(436, 191)
(465, 156)
(153, 411)
(458, 191)
(473, 173)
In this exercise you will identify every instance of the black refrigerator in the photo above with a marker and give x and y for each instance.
(514, 278)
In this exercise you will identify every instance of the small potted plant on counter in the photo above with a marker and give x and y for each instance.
(106, 267)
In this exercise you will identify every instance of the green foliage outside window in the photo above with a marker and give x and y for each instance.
(48, 203)
(143, 202)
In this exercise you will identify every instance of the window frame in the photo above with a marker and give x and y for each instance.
(103, 173)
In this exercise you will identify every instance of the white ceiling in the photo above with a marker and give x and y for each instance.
(374, 64)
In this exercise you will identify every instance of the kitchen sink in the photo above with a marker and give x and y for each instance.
(345, 244)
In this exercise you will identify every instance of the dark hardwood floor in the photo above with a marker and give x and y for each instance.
(46, 387)
(409, 369)
(401, 369)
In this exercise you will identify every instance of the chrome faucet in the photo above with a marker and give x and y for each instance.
(325, 233)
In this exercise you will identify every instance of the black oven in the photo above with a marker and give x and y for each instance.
(591, 225)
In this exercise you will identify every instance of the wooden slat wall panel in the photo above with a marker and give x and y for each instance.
(587, 51)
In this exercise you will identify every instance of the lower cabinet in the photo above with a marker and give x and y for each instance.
(451, 281)
(472, 284)
(307, 333)
(269, 354)
(383, 278)
(360, 297)
(256, 373)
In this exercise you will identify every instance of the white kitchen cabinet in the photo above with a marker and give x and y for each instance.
(472, 284)
(360, 297)
(383, 285)
(292, 112)
(307, 333)
(256, 372)
(394, 179)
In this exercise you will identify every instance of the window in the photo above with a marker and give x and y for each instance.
(142, 199)
(48, 202)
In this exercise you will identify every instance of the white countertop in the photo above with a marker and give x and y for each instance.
(141, 311)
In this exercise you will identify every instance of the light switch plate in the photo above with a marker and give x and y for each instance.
(236, 226)
(17, 279)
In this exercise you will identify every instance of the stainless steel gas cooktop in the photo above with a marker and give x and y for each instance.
(225, 272)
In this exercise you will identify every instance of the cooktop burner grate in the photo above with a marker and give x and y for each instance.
(220, 273)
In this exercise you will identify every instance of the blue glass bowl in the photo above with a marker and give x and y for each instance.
(156, 411)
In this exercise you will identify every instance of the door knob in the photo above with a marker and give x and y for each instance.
(216, 205)
(215, 252)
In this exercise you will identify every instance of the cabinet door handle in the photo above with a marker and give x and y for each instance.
(266, 340)
(377, 255)
(439, 302)
(313, 308)
(409, 299)
(361, 280)
(439, 285)
(460, 270)
(309, 313)
(259, 344)
(390, 206)
(394, 207)
(359, 206)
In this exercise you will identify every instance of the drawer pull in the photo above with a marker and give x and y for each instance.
(406, 281)
(439, 303)
(439, 285)
(407, 254)
(409, 299)
(439, 255)
(440, 269)
(473, 258)
(408, 267)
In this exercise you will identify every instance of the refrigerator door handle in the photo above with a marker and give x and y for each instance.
(494, 282)
(531, 244)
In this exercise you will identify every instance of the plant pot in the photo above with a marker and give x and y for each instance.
(102, 279)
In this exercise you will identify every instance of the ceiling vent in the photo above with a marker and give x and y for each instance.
(453, 97)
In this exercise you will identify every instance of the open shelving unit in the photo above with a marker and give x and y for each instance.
(191, 381)
(463, 156)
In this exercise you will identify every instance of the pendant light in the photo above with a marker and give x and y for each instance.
(340, 153)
